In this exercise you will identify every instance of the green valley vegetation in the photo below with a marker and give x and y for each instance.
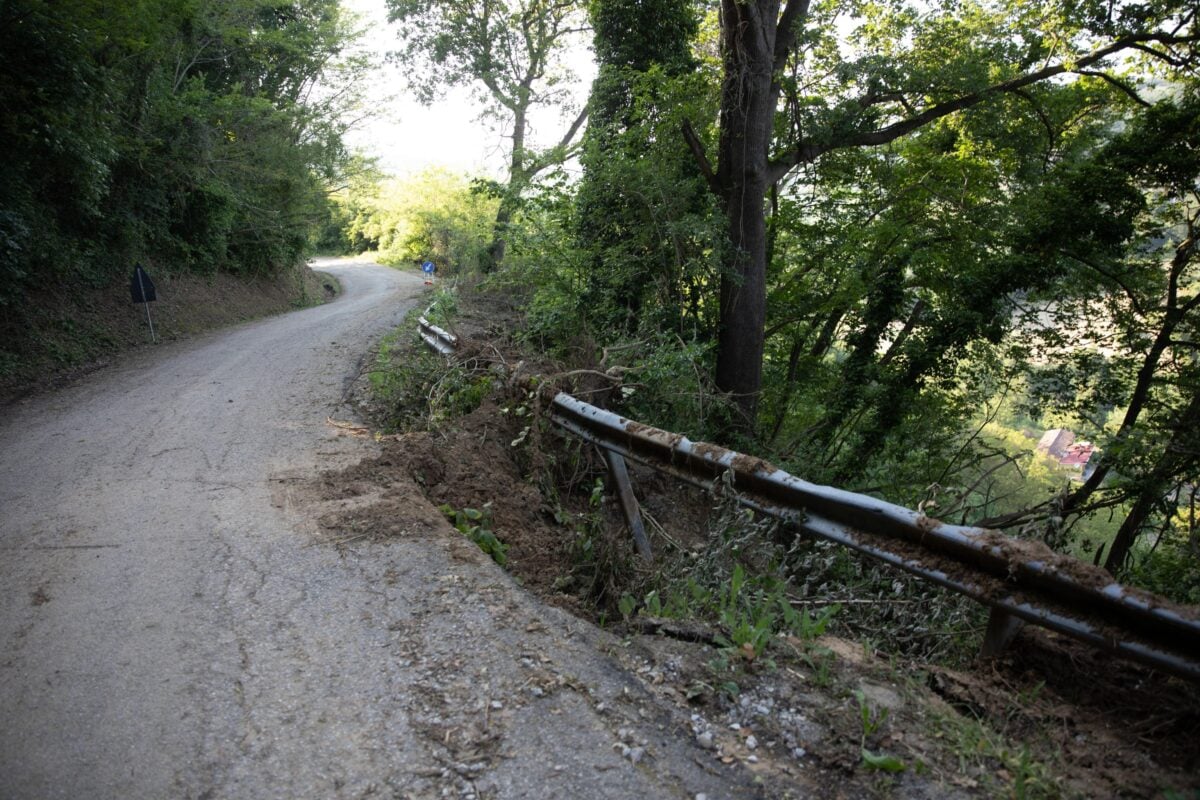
(435, 215)
(194, 137)
(886, 246)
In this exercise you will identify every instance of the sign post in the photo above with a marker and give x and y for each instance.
(141, 288)
(428, 268)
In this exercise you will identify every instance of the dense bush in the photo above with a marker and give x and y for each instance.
(194, 136)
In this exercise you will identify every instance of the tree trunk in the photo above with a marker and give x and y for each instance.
(499, 235)
(744, 302)
(512, 193)
(748, 101)
(1179, 451)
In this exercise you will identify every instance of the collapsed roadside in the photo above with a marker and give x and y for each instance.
(789, 660)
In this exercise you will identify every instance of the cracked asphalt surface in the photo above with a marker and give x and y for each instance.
(172, 625)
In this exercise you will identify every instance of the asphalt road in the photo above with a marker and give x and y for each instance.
(137, 537)
(173, 625)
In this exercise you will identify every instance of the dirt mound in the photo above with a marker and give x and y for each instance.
(472, 465)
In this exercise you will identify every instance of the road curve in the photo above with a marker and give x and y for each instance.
(154, 599)
(174, 623)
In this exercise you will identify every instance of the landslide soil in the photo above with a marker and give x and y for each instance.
(1048, 719)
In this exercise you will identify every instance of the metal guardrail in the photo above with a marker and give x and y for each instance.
(1050, 590)
(440, 340)
(1019, 582)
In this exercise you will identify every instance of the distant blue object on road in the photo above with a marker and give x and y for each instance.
(427, 267)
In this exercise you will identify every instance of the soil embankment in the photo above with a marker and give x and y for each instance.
(63, 333)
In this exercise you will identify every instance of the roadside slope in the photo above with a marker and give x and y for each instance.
(63, 333)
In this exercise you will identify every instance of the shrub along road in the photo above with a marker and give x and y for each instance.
(173, 625)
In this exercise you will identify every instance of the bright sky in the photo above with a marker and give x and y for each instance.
(408, 137)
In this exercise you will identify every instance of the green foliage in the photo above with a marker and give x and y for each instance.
(434, 215)
(751, 606)
(423, 391)
(937, 292)
(644, 216)
(491, 46)
(509, 52)
(1186, 794)
(416, 388)
(980, 747)
(1170, 565)
(920, 620)
(754, 612)
(872, 720)
(615, 266)
(882, 762)
(749, 621)
(597, 567)
(899, 296)
(476, 524)
(181, 134)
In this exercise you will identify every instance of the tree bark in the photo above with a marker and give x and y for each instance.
(748, 101)
(516, 183)
(1179, 450)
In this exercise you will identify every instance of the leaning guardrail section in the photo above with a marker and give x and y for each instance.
(440, 340)
(1020, 581)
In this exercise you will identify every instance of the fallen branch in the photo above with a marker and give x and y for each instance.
(674, 629)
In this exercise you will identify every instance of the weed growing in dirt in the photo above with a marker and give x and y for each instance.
(820, 661)
(872, 720)
(598, 568)
(443, 306)
(737, 583)
(476, 525)
(984, 752)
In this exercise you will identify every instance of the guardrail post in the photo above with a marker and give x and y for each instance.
(629, 503)
(1001, 629)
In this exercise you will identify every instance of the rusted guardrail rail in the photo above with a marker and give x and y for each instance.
(440, 340)
(1019, 581)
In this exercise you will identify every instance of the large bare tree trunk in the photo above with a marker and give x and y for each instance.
(748, 102)
(743, 301)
